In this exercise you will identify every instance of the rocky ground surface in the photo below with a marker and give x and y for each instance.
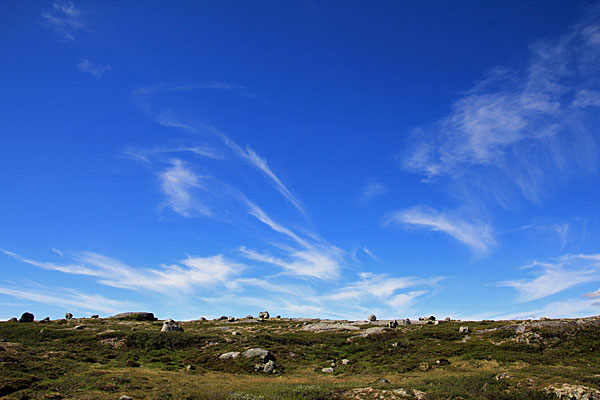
(135, 356)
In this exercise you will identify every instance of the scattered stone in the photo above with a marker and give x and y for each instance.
(573, 392)
(464, 329)
(395, 344)
(47, 319)
(190, 368)
(68, 315)
(436, 322)
(42, 330)
(424, 367)
(405, 321)
(327, 370)
(345, 361)
(171, 326)
(419, 395)
(95, 316)
(230, 319)
(235, 333)
(26, 317)
(442, 361)
(293, 356)
(393, 324)
(202, 319)
(249, 317)
(278, 316)
(467, 337)
(264, 355)
(135, 316)
(264, 315)
(13, 319)
(383, 381)
(229, 356)
(447, 319)
(503, 375)
(125, 398)
(79, 327)
(372, 317)
(544, 319)
(222, 318)
(326, 326)
(369, 331)
(269, 367)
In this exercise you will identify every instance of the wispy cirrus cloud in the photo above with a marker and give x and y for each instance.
(555, 276)
(520, 128)
(478, 236)
(96, 70)
(372, 191)
(178, 182)
(64, 19)
(69, 298)
(184, 276)
(171, 119)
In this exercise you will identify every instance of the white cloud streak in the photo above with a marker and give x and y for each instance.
(477, 236)
(84, 65)
(372, 191)
(70, 299)
(178, 183)
(185, 276)
(556, 276)
(64, 19)
(520, 129)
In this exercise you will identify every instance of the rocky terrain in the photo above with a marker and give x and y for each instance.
(135, 356)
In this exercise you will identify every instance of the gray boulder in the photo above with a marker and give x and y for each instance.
(464, 329)
(171, 326)
(230, 355)
(125, 398)
(269, 367)
(372, 317)
(263, 354)
(134, 316)
(230, 319)
(393, 324)
(26, 317)
(95, 316)
(13, 319)
(327, 370)
(264, 315)
(68, 315)
(249, 317)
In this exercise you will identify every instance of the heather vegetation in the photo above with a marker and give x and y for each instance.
(109, 358)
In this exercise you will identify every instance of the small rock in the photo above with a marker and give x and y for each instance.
(42, 330)
(235, 333)
(372, 317)
(230, 319)
(464, 329)
(229, 356)
(269, 366)
(171, 326)
(393, 324)
(333, 365)
(47, 319)
(68, 315)
(190, 368)
(13, 319)
(345, 361)
(383, 382)
(95, 316)
(442, 361)
(26, 317)
(222, 318)
(79, 327)
(202, 319)
(405, 321)
(447, 319)
(125, 398)
(327, 370)
(263, 314)
(503, 375)
(278, 316)
(419, 395)
(249, 317)
(424, 367)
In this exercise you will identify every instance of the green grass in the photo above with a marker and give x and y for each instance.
(108, 359)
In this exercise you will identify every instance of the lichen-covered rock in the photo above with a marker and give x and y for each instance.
(230, 355)
(262, 354)
(573, 392)
(171, 326)
(263, 315)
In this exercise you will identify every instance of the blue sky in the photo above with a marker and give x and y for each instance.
(314, 159)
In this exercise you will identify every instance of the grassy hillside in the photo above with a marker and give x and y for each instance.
(105, 359)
